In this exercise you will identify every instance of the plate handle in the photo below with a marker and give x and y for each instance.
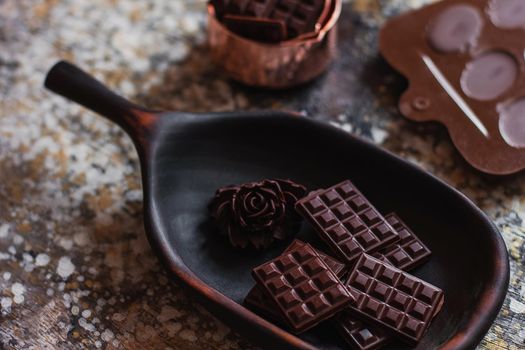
(74, 84)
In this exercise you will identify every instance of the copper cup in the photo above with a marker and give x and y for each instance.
(275, 66)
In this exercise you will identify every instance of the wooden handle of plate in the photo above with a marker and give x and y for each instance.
(74, 84)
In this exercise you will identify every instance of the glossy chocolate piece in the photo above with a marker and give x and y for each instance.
(346, 221)
(464, 63)
(387, 297)
(335, 265)
(259, 301)
(359, 335)
(303, 287)
(257, 213)
(298, 17)
(406, 254)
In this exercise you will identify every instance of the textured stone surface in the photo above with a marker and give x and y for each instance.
(75, 269)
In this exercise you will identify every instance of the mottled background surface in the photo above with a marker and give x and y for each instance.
(76, 271)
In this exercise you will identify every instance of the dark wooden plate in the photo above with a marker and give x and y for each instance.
(186, 157)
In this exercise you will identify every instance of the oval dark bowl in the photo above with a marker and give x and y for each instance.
(186, 157)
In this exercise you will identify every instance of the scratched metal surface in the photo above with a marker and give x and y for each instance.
(75, 269)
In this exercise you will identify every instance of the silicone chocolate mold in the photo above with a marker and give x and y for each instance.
(466, 69)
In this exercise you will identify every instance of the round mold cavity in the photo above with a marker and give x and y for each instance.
(489, 75)
(455, 29)
(507, 14)
(512, 123)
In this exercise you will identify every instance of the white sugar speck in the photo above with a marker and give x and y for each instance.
(378, 135)
(42, 259)
(4, 230)
(18, 291)
(7, 276)
(66, 243)
(17, 239)
(86, 325)
(107, 335)
(75, 310)
(81, 239)
(516, 306)
(6, 303)
(65, 267)
(86, 313)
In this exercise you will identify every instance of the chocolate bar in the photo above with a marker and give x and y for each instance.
(346, 221)
(463, 60)
(403, 305)
(305, 290)
(359, 335)
(258, 300)
(406, 254)
(296, 16)
(356, 333)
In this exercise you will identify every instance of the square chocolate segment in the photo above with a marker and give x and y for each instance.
(335, 265)
(346, 221)
(303, 304)
(359, 335)
(407, 253)
(392, 299)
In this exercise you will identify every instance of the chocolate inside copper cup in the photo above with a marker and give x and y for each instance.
(275, 66)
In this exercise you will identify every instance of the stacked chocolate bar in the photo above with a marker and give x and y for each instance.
(272, 20)
(363, 289)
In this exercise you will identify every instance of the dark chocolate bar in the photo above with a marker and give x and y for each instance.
(303, 287)
(406, 254)
(402, 304)
(346, 221)
(259, 301)
(463, 60)
(359, 335)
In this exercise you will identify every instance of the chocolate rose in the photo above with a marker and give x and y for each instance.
(257, 213)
